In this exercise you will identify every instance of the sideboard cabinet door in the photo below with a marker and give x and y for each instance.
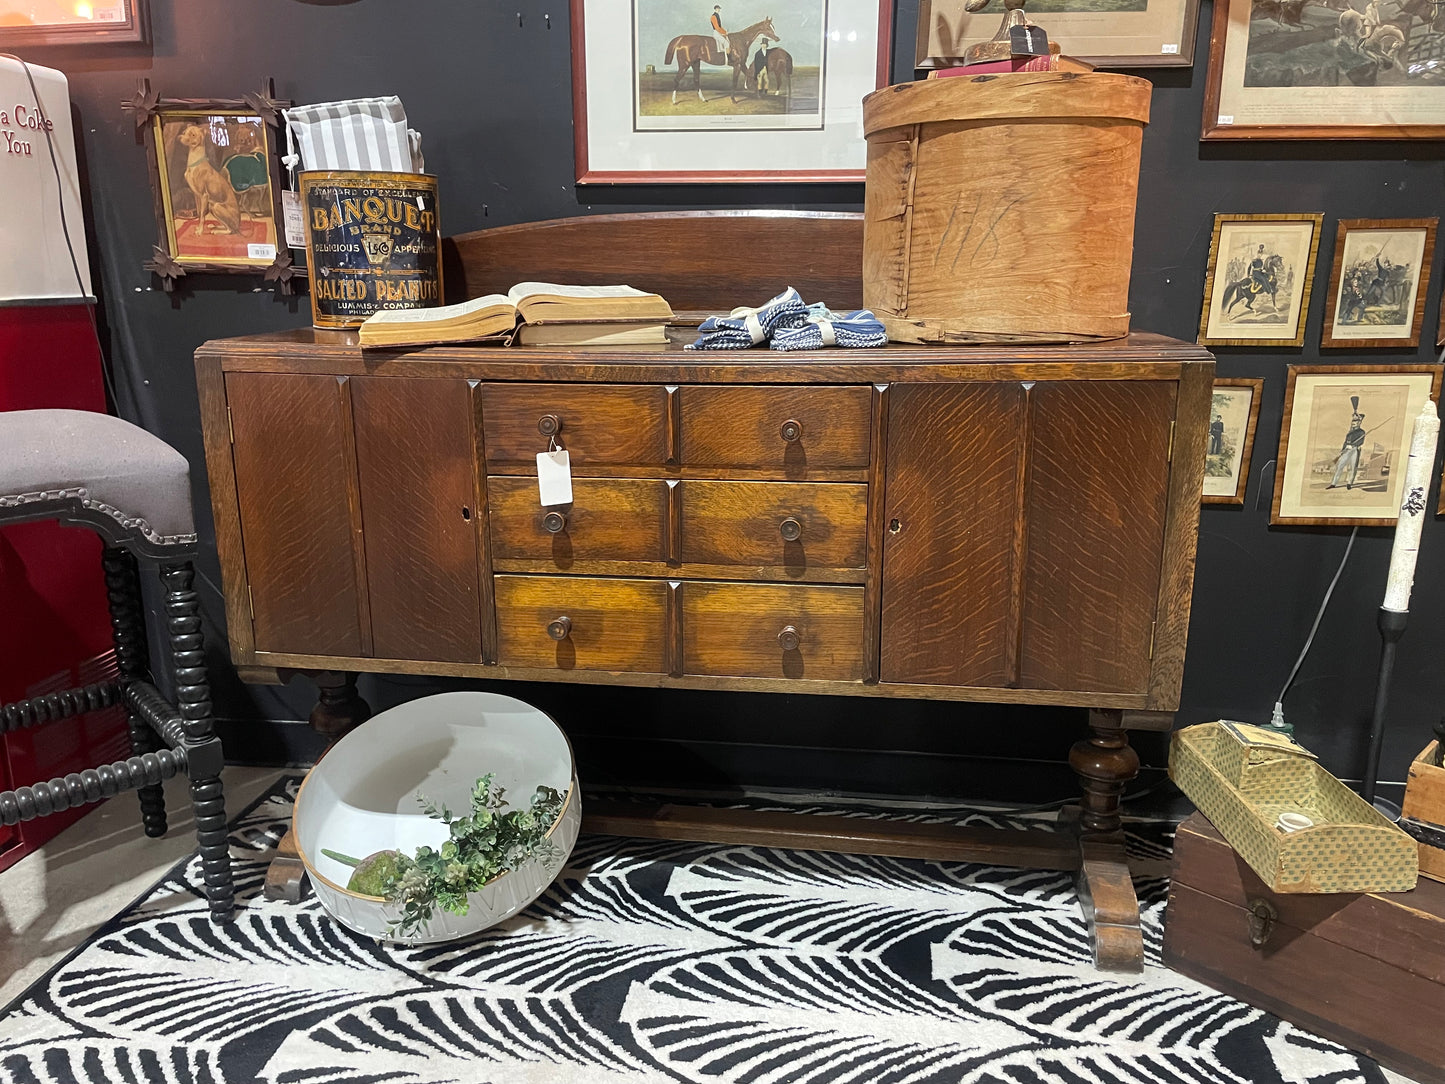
(291, 441)
(417, 468)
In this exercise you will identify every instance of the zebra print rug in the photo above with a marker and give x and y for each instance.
(649, 962)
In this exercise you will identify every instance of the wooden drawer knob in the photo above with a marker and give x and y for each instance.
(549, 425)
(791, 430)
(558, 628)
(790, 529)
(789, 639)
(555, 522)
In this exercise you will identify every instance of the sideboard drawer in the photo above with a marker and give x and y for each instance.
(609, 519)
(605, 425)
(789, 430)
(799, 528)
(773, 631)
(579, 623)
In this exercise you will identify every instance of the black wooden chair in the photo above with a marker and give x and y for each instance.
(133, 490)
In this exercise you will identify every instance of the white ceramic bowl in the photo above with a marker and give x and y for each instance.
(361, 797)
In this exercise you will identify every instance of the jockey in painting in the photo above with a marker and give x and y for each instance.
(719, 33)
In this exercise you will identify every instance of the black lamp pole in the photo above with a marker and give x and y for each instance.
(1391, 624)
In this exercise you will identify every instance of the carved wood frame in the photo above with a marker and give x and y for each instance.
(148, 109)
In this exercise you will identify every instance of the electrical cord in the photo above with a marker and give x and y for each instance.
(1309, 640)
(65, 231)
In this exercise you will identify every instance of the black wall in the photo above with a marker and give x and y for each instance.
(493, 101)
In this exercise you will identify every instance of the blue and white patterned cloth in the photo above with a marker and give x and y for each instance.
(858, 328)
(744, 328)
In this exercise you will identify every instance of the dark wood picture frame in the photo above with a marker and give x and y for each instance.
(1061, 28)
(1332, 299)
(1215, 127)
(149, 111)
(1256, 386)
(587, 174)
(1297, 336)
(134, 27)
(1291, 415)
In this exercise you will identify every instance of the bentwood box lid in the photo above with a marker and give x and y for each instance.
(1244, 777)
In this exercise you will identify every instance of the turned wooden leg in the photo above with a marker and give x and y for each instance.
(132, 657)
(339, 708)
(1105, 763)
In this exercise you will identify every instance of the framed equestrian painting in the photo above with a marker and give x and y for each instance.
(1344, 442)
(24, 23)
(1233, 415)
(1257, 288)
(725, 90)
(1378, 282)
(217, 186)
(1106, 33)
(1284, 69)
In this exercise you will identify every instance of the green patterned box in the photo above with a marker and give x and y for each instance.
(1243, 777)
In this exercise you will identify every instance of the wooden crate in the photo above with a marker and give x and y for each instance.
(1366, 970)
(1425, 802)
(1000, 208)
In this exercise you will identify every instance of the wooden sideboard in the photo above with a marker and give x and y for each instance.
(1008, 524)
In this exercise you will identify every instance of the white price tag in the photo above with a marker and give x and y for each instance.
(554, 477)
(260, 252)
(1226, 118)
(1171, 48)
(293, 219)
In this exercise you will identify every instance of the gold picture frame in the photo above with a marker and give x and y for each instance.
(1329, 477)
(1233, 416)
(1257, 286)
(1378, 281)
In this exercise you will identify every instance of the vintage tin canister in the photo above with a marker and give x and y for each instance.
(373, 241)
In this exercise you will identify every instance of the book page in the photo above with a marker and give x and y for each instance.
(441, 312)
(524, 290)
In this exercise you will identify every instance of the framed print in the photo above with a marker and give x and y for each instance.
(53, 22)
(216, 183)
(737, 90)
(1378, 282)
(1345, 440)
(1257, 288)
(1106, 33)
(1354, 69)
(1233, 414)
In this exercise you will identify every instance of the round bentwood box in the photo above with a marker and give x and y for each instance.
(373, 242)
(1000, 208)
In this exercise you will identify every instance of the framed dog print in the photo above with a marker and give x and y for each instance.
(1345, 441)
(1233, 414)
(726, 90)
(217, 186)
(1257, 288)
(1378, 282)
(1282, 69)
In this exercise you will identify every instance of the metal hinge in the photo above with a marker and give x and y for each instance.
(1153, 627)
(230, 425)
(1170, 457)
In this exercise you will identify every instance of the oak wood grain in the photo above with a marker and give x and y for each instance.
(1098, 486)
(746, 523)
(613, 520)
(295, 515)
(601, 426)
(742, 427)
(877, 495)
(733, 630)
(615, 624)
(418, 511)
(225, 510)
(947, 567)
(484, 535)
(353, 507)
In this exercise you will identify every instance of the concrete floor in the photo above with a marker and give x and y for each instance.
(55, 898)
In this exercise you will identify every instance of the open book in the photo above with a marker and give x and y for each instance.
(575, 314)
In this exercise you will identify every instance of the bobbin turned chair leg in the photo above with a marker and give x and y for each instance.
(132, 656)
(203, 748)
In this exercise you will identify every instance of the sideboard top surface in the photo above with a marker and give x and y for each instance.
(1141, 356)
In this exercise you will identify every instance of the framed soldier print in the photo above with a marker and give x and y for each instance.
(1233, 414)
(1257, 287)
(1344, 442)
(1378, 281)
(725, 90)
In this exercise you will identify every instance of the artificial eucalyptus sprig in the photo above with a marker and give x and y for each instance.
(482, 844)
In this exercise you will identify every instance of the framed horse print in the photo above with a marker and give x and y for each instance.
(1378, 282)
(1257, 288)
(725, 90)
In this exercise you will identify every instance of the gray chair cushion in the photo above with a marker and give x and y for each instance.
(109, 465)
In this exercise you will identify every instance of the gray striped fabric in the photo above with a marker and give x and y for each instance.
(360, 134)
